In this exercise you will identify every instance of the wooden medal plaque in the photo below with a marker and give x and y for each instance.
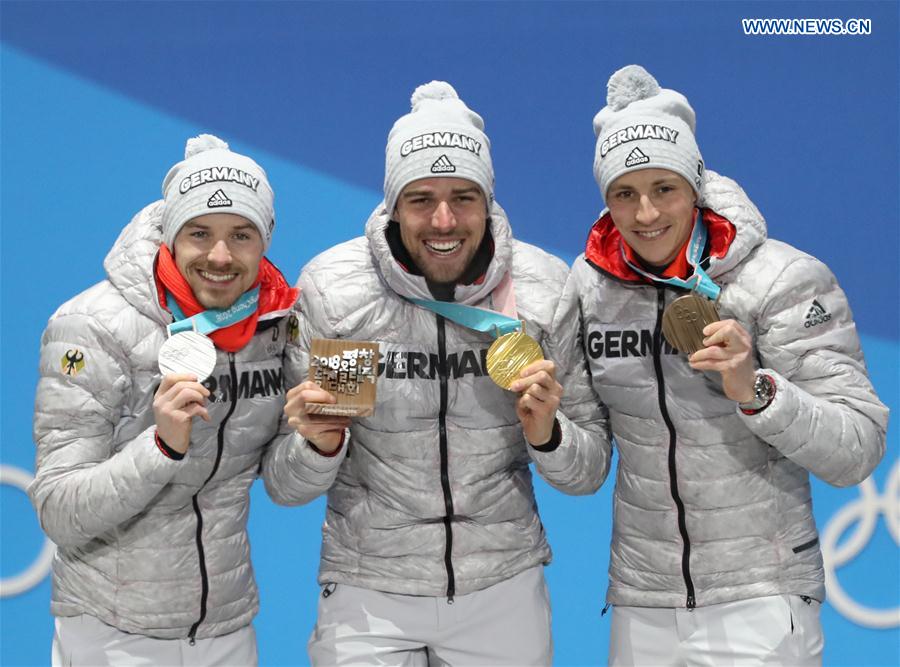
(348, 369)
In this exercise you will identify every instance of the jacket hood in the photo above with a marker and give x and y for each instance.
(735, 227)
(728, 200)
(412, 286)
(129, 264)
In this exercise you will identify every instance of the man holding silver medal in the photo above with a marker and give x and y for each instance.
(731, 369)
(433, 549)
(148, 445)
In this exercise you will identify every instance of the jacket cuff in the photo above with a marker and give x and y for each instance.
(772, 424)
(550, 460)
(165, 449)
(329, 454)
(302, 453)
(554, 441)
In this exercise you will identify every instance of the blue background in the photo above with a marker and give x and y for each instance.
(97, 100)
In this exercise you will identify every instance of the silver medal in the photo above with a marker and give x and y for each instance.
(188, 352)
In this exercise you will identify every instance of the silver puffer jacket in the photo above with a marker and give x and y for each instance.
(712, 505)
(148, 544)
(435, 494)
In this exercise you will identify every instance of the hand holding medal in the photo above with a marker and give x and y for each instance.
(539, 397)
(728, 349)
(184, 360)
(341, 385)
(187, 358)
(515, 361)
(513, 350)
(178, 400)
(691, 325)
(324, 431)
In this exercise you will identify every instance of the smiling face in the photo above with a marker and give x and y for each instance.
(219, 255)
(442, 222)
(653, 209)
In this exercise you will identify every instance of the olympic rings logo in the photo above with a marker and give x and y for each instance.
(864, 511)
(40, 568)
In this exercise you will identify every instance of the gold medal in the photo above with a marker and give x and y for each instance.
(509, 354)
(684, 320)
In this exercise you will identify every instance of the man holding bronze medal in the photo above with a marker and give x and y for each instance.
(731, 369)
(149, 441)
(433, 549)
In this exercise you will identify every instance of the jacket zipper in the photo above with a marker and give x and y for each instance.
(673, 474)
(445, 473)
(204, 579)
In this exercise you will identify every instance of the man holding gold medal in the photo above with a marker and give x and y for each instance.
(731, 369)
(433, 549)
(160, 389)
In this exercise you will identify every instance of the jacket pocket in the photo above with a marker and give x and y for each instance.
(806, 545)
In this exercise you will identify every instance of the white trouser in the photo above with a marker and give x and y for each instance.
(774, 630)
(84, 641)
(506, 624)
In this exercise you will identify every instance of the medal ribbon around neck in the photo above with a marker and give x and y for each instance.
(700, 280)
(481, 319)
(215, 318)
(471, 317)
(512, 350)
(188, 349)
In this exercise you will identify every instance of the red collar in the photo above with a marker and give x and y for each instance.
(275, 295)
(604, 242)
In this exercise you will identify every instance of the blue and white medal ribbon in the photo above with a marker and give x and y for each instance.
(214, 318)
(479, 319)
(188, 349)
(700, 280)
(512, 350)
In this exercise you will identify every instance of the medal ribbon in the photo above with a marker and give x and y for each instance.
(700, 281)
(215, 318)
(480, 319)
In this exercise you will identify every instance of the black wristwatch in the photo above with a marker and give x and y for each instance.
(763, 393)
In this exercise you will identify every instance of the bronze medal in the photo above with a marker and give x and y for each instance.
(684, 320)
(509, 354)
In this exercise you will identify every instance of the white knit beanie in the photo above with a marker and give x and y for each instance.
(441, 136)
(644, 126)
(212, 179)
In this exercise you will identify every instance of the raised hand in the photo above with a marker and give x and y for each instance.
(729, 350)
(539, 396)
(178, 400)
(325, 432)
